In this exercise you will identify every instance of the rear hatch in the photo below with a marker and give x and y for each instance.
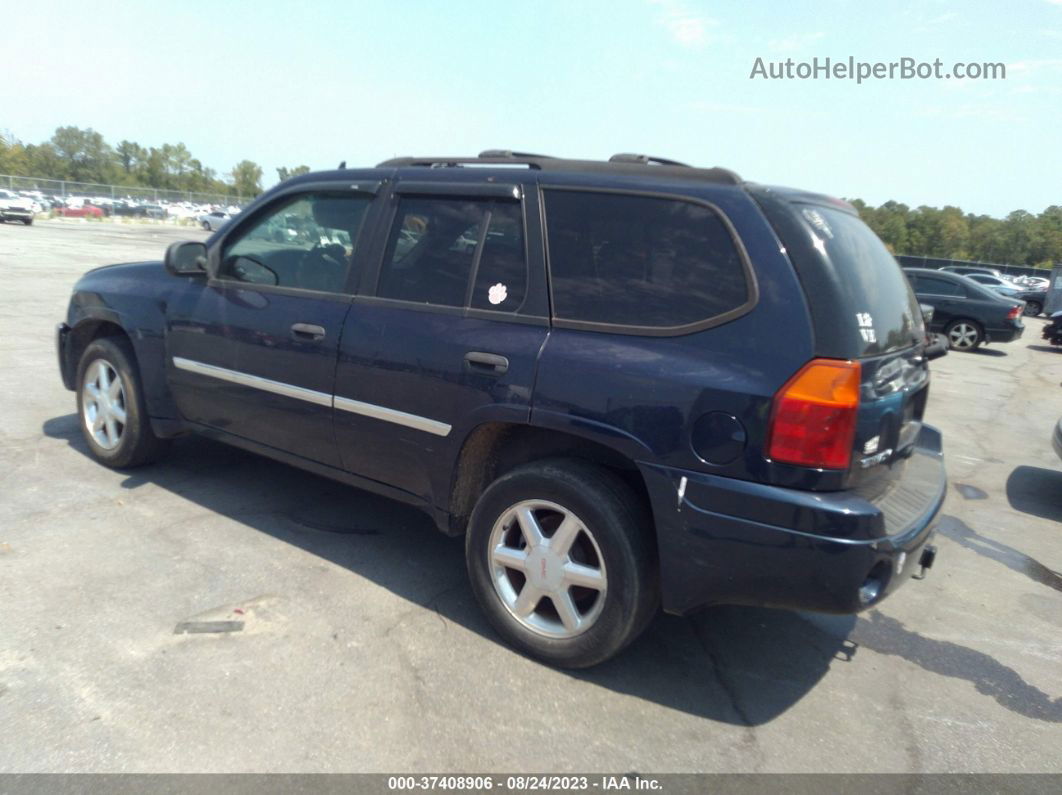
(863, 311)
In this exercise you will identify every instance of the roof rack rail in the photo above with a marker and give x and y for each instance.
(511, 153)
(628, 164)
(627, 157)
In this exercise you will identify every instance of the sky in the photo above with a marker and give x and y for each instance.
(322, 81)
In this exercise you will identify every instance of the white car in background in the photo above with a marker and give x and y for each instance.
(15, 208)
(214, 220)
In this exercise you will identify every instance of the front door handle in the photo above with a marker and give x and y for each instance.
(478, 362)
(307, 331)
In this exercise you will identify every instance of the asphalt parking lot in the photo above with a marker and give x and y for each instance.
(361, 648)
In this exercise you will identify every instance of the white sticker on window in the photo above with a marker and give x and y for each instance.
(866, 326)
(497, 294)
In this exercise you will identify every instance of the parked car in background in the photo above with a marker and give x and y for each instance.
(15, 208)
(968, 313)
(1032, 282)
(127, 208)
(936, 344)
(967, 270)
(1053, 331)
(1033, 297)
(595, 391)
(80, 210)
(154, 211)
(214, 220)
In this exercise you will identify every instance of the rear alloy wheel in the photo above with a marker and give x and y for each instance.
(1033, 308)
(963, 335)
(561, 559)
(206, 226)
(547, 569)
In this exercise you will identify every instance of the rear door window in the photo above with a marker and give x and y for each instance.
(931, 285)
(456, 252)
(640, 262)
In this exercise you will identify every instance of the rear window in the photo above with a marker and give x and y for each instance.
(641, 262)
(874, 290)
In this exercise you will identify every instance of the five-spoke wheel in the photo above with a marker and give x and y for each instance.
(963, 335)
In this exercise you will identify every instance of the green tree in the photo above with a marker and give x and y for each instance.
(284, 172)
(84, 155)
(246, 178)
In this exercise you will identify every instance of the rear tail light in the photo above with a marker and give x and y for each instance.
(813, 419)
(1014, 313)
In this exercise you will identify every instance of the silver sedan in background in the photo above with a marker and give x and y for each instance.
(214, 220)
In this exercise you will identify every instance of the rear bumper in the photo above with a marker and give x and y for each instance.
(16, 214)
(1008, 334)
(725, 541)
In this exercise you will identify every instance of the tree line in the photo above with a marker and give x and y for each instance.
(1019, 239)
(82, 155)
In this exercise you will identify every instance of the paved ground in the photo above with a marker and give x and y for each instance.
(362, 649)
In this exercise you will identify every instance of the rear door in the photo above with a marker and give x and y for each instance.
(446, 337)
(946, 296)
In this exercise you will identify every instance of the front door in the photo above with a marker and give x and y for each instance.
(253, 353)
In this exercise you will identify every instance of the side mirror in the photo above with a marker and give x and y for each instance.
(188, 258)
(249, 270)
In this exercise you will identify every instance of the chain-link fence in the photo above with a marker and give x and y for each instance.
(66, 188)
(909, 261)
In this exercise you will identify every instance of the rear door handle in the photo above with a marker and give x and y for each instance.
(479, 362)
(307, 331)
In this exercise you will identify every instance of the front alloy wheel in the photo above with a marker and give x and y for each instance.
(103, 404)
(547, 569)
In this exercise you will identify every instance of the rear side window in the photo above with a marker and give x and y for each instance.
(631, 260)
(456, 252)
(930, 285)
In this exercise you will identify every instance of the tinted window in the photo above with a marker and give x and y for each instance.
(437, 247)
(931, 285)
(883, 306)
(306, 242)
(638, 261)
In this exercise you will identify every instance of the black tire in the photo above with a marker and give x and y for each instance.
(27, 221)
(620, 526)
(1033, 308)
(206, 226)
(953, 330)
(137, 443)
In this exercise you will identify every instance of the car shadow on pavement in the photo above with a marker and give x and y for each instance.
(1036, 491)
(739, 665)
(983, 351)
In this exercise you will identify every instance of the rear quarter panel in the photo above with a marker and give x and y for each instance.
(641, 395)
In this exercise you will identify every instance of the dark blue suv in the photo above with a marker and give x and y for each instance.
(629, 383)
